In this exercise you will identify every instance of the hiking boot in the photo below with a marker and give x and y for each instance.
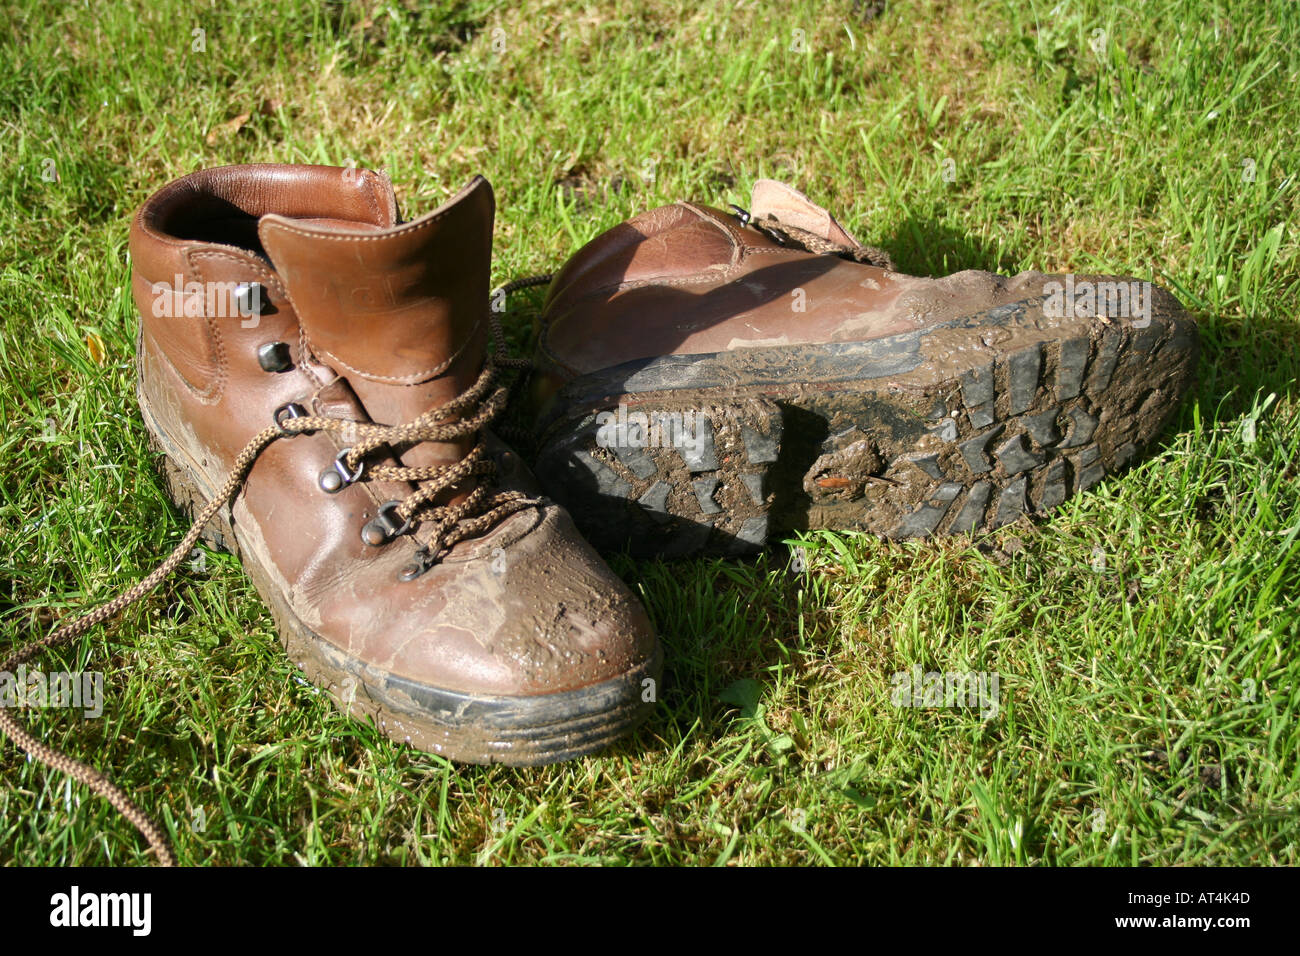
(294, 329)
(707, 381)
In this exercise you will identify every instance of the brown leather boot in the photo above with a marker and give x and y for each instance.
(409, 565)
(707, 381)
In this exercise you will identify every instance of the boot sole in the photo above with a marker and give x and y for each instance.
(517, 731)
(959, 428)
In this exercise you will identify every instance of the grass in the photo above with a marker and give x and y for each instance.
(1143, 637)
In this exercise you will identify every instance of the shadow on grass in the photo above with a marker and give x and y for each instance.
(922, 247)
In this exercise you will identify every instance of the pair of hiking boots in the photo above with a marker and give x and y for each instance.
(320, 377)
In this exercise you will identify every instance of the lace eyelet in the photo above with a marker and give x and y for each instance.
(274, 357)
(383, 528)
(337, 477)
(289, 410)
(744, 215)
(416, 568)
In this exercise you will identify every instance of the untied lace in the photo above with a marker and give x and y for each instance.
(479, 511)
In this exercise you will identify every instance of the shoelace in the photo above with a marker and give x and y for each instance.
(787, 235)
(479, 511)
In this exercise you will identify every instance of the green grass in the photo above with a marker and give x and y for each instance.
(1144, 636)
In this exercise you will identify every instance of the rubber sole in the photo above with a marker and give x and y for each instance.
(467, 728)
(960, 428)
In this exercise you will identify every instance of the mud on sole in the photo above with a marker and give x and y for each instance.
(961, 428)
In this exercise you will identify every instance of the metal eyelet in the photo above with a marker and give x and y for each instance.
(337, 477)
(289, 410)
(742, 214)
(274, 357)
(425, 559)
(384, 528)
(416, 567)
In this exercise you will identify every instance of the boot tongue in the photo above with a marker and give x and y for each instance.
(792, 207)
(399, 312)
(392, 306)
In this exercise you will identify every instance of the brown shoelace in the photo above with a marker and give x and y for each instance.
(478, 512)
(788, 235)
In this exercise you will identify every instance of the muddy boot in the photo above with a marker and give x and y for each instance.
(294, 329)
(708, 381)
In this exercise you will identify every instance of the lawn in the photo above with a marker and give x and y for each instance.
(1142, 638)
